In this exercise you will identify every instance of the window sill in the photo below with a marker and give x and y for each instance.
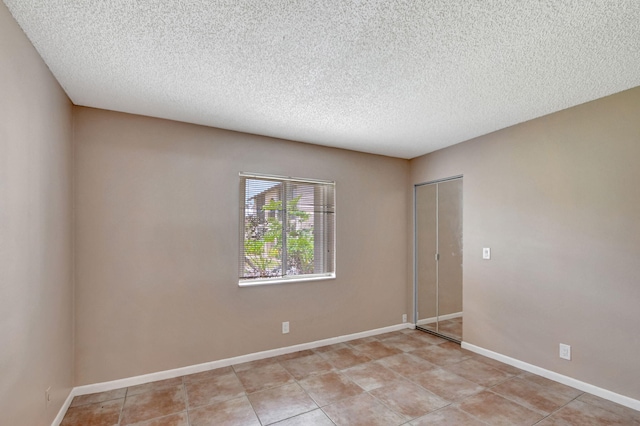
(284, 280)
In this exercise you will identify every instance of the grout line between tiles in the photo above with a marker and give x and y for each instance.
(246, 394)
(124, 401)
(559, 408)
(471, 415)
(186, 400)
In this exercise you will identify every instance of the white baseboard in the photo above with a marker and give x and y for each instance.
(64, 408)
(439, 318)
(565, 380)
(198, 368)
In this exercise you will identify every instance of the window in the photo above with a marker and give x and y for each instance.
(287, 229)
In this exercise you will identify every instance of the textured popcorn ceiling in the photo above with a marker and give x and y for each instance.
(399, 78)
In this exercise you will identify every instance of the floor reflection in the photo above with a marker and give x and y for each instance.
(451, 327)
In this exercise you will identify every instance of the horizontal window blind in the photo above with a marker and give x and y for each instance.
(288, 228)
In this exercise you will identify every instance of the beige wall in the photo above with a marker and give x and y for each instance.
(35, 233)
(557, 200)
(157, 246)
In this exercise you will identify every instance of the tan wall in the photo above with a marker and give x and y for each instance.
(157, 246)
(558, 201)
(35, 233)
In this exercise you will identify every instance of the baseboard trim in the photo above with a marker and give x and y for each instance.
(439, 318)
(64, 408)
(557, 377)
(198, 368)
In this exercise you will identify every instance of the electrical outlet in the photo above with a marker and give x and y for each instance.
(285, 327)
(486, 253)
(47, 397)
(404, 318)
(565, 351)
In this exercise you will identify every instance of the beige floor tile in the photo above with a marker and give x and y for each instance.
(345, 357)
(551, 386)
(272, 405)
(178, 419)
(478, 372)
(405, 342)
(406, 364)
(389, 335)
(496, 410)
(530, 395)
(442, 354)
(377, 350)
(620, 410)
(456, 347)
(306, 366)
(232, 412)
(99, 397)
(330, 387)
(356, 342)
(428, 338)
(151, 404)
(514, 371)
(394, 378)
(253, 364)
(448, 416)
(329, 348)
(293, 355)
(371, 375)
(154, 386)
(578, 413)
(216, 389)
(407, 399)
(264, 377)
(362, 410)
(446, 385)
(205, 375)
(312, 418)
(97, 414)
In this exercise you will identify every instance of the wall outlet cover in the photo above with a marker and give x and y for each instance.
(565, 351)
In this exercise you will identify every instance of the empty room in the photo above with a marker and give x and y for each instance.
(319, 213)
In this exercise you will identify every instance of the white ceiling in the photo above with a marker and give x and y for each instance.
(398, 78)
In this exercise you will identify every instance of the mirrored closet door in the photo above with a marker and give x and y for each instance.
(438, 258)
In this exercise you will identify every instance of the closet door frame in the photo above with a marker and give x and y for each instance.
(415, 255)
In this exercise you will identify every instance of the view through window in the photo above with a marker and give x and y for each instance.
(288, 228)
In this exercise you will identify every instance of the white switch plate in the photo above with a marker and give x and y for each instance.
(285, 327)
(47, 397)
(486, 253)
(565, 351)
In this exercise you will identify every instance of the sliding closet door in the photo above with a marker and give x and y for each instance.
(426, 249)
(450, 263)
(438, 257)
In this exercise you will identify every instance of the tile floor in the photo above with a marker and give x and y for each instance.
(402, 378)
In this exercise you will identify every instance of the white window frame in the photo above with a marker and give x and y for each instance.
(328, 242)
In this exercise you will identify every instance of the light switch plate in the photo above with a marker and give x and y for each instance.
(486, 253)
